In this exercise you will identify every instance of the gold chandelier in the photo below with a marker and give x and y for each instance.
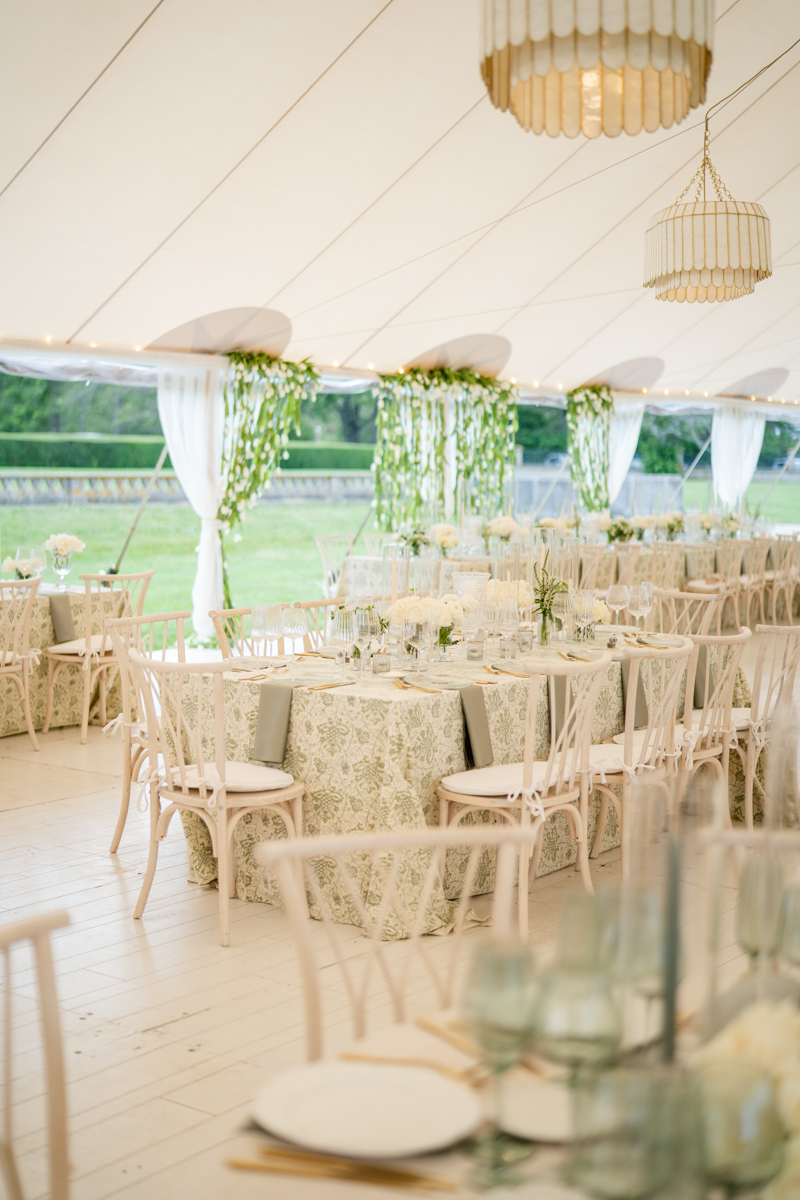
(707, 250)
(596, 67)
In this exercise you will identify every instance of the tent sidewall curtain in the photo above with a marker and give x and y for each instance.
(736, 438)
(191, 409)
(626, 424)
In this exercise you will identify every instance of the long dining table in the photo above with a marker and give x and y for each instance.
(371, 756)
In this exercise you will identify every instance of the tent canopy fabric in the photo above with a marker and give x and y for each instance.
(328, 178)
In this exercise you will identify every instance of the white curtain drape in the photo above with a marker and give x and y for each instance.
(736, 437)
(626, 422)
(192, 416)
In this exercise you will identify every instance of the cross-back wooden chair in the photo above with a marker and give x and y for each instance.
(592, 559)
(773, 691)
(627, 558)
(666, 564)
(782, 579)
(333, 549)
(319, 614)
(683, 613)
(396, 962)
(185, 708)
(160, 636)
(36, 930)
(727, 579)
(652, 749)
(753, 582)
(710, 681)
(108, 597)
(16, 609)
(232, 627)
(374, 542)
(529, 792)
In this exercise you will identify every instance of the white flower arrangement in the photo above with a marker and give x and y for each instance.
(64, 543)
(445, 536)
(642, 521)
(22, 567)
(559, 523)
(601, 614)
(421, 608)
(707, 521)
(604, 522)
(502, 527)
(506, 589)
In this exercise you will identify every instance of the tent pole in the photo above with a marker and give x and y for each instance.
(151, 484)
(700, 454)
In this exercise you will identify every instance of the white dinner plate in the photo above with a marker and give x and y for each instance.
(536, 1110)
(361, 1110)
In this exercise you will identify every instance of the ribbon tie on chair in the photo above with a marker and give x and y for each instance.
(88, 655)
(34, 656)
(688, 746)
(117, 724)
(531, 798)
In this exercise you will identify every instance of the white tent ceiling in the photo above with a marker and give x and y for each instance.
(338, 164)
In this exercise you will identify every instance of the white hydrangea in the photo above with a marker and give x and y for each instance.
(643, 521)
(64, 543)
(502, 527)
(601, 613)
(558, 523)
(443, 535)
(419, 609)
(506, 589)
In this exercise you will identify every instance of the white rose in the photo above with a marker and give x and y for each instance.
(601, 613)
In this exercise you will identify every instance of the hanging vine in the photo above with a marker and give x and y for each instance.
(589, 410)
(418, 413)
(263, 396)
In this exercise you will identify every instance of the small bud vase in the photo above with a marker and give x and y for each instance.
(544, 629)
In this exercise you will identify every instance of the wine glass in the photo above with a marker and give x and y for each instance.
(637, 603)
(487, 616)
(619, 1145)
(397, 633)
(23, 561)
(758, 914)
(583, 609)
(507, 624)
(343, 635)
(294, 626)
(273, 624)
(742, 1132)
(647, 605)
(617, 599)
(577, 1021)
(258, 627)
(498, 1010)
(367, 627)
(62, 565)
(562, 611)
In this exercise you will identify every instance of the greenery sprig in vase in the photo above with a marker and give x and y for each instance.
(545, 589)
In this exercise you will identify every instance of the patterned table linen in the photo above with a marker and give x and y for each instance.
(69, 684)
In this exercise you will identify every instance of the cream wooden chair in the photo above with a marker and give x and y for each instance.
(16, 609)
(666, 565)
(627, 558)
(107, 598)
(592, 559)
(333, 549)
(773, 691)
(158, 636)
(375, 542)
(233, 635)
(650, 753)
(782, 580)
(727, 579)
(683, 613)
(405, 973)
(36, 930)
(753, 582)
(529, 792)
(319, 614)
(185, 708)
(706, 729)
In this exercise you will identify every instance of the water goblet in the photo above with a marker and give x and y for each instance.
(562, 611)
(617, 599)
(637, 603)
(343, 635)
(62, 565)
(508, 624)
(647, 605)
(618, 1150)
(758, 914)
(258, 627)
(418, 634)
(367, 627)
(295, 627)
(583, 609)
(273, 625)
(577, 1021)
(23, 560)
(743, 1134)
(498, 1008)
(38, 557)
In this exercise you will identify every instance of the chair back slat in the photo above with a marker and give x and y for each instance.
(683, 613)
(666, 564)
(235, 640)
(397, 967)
(16, 609)
(776, 670)
(591, 560)
(627, 558)
(718, 657)
(333, 549)
(111, 597)
(36, 930)
(661, 675)
(570, 722)
(157, 635)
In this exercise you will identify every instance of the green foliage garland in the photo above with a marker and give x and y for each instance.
(413, 431)
(589, 410)
(262, 395)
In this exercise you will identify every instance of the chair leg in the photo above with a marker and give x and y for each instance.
(87, 700)
(52, 666)
(129, 764)
(26, 703)
(223, 875)
(152, 861)
(101, 680)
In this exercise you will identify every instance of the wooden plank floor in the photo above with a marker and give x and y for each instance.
(167, 1035)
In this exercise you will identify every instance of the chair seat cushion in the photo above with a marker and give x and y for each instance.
(740, 718)
(77, 645)
(700, 585)
(499, 780)
(239, 777)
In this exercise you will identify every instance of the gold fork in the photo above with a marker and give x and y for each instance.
(398, 683)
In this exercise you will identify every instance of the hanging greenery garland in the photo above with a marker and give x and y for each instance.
(263, 396)
(418, 413)
(589, 410)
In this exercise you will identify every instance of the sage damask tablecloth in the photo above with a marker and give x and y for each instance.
(69, 683)
(371, 756)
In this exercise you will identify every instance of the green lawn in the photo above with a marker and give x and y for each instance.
(275, 560)
(783, 505)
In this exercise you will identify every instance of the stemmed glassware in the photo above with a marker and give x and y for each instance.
(562, 611)
(620, 1149)
(273, 624)
(258, 627)
(743, 1134)
(368, 627)
(647, 605)
(498, 1010)
(583, 609)
(343, 634)
(62, 565)
(294, 627)
(758, 915)
(507, 624)
(419, 634)
(637, 603)
(617, 599)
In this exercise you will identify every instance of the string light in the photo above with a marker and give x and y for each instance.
(336, 364)
(47, 339)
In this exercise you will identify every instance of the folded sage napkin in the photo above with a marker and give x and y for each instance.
(61, 616)
(700, 678)
(640, 716)
(691, 565)
(272, 722)
(477, 739)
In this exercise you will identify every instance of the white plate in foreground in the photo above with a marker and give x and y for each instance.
(535, 1110)
(361, 1110)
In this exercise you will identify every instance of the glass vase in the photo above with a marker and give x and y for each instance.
(544, 629)
(62, 565)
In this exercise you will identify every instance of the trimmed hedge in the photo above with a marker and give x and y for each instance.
(99, 452)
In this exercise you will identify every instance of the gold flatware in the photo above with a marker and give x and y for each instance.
(513, 674)
(473, 1075)
(399, 683)
(491, 670)
(573, 657)
(450, 1033)
(485, 682)
(321, 687)
(300, 1162)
